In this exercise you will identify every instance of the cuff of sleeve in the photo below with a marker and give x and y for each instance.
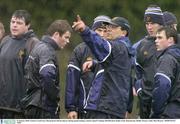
(139, 90)
(86, 31)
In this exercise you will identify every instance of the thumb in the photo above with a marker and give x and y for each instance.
(78, 18)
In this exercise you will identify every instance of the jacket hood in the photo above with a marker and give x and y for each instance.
(49, 40)
(27, 35)
(174, 51)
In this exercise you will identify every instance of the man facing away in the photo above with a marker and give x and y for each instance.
(42, 73)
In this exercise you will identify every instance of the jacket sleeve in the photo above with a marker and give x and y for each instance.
(73, 90)
(160, 93)
(131, 99)
(99, 47)
(49, 73)
(139, 77)
(72, 83)
(163, 81)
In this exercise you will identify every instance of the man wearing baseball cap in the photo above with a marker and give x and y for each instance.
(108, 96)
(124, 31)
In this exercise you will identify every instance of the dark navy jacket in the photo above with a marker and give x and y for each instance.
(13, 56)
(109, 93)
(166, 93)
(42, 76)
(78, 82)
(146, 61)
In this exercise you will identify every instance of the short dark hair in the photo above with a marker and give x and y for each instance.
(60, 26)
(169, 31)
(23, 14)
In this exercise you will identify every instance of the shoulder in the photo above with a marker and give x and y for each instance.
(167, 60)
(5, 39)
(80, 48)
(118, 47)
(166, 57)
(42, 48)
(146, 41)
(135, 45)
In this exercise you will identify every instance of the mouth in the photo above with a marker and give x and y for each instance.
(14, 30)
(157, 46)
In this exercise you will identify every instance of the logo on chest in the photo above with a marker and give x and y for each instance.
(21, 54)
(145, 53)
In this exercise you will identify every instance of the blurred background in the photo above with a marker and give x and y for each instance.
(45, 11)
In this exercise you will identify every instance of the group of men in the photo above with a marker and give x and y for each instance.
(29, 77)
(109, 94)
(152, 86)
(100, 79)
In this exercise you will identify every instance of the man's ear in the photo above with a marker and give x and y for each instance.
(171, 40)
(28, 26)
(56, 34)
(124, 32)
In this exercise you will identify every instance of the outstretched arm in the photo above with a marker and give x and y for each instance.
(99, 47)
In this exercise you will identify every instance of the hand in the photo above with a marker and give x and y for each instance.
(87, 66)
(126, 115)
(72, 115)
(134, 92)
(78, 25)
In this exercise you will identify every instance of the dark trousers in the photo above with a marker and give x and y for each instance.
(33, 112)
(171, 111)
(8, 114)
(144, 110)
(91, 114)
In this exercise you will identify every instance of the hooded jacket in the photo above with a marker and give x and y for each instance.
(42, 75)
(13, 56)
(166, 93)
(109, 92)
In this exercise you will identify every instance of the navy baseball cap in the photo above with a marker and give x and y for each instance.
(101, 21)
(169, 18)
(120, 21)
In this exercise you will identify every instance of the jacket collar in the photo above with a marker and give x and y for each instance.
(26, 35)
(50, 41)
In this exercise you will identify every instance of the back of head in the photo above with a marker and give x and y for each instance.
(120, 21)
(2, 30)
(154, 14)
(169, 18)
(23, 14)
(101, 21)
(60, 26)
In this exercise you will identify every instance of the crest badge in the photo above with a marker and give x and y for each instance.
(148, 18)
(145, 53)
(21, 54)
